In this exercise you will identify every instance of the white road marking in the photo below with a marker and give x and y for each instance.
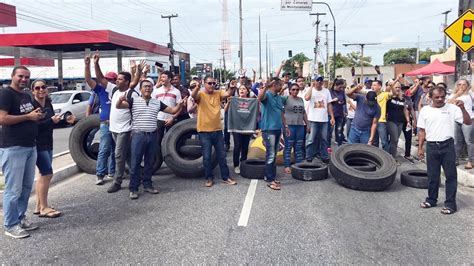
(245, 214)
(60, 154)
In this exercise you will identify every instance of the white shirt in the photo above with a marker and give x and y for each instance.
(119, 118)
(351, 113)
(318, 105)
(467, 100)
(439, 122)
(171, 98)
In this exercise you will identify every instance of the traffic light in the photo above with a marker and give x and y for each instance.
(290, 53)
(467, 31)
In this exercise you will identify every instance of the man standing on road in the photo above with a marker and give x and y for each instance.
(18, 151)
(271, 126)
(106, 156)
(382, 98)
(364, 124)
(319, 110)
(184, 93)
(120, 119)
(436, 125)
(209, 127)
(143, 138)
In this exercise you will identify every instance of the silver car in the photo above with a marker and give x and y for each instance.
(70, 103)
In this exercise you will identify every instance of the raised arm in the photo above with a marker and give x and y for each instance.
(87, 72)
(137, 75)
(195, 94)
(122, 103)
(263, 90)
(278, 70)
(177, 108)
(308, 94)
(98, 72)
(414, 87)
(351, 92)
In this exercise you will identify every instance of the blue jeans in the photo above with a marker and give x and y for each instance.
(295, 140)
(18, 166)
(382, 132)
(143, 147)
(226, 129)
(271, 139)
(317, 141)
(359, 136)
(106, 156)
(208, 140)
(338, 130)
(441, 154)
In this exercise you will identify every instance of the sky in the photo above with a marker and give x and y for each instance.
(198, 29)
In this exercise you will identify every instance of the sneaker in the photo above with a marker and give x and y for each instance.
(237, 170)
(151, 190)
(133, 195)
(108, 178)
(16, 232)
(114, 188)
(27, 225)
(100, 181)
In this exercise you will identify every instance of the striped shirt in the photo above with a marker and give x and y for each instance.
(144, 115)
(169, 97)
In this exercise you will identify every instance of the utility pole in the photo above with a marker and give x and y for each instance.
(169, 17)
(418, 51)
(223, 61)
(259, 49)
(241, 46)
(266, 54)
(327, 49)
(445, 13)
(316, 41)
(362, 45)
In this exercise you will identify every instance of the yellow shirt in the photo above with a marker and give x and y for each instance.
(209, 111)
(382, 100)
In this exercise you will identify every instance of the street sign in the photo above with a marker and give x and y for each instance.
(296, 5)
(460, 31)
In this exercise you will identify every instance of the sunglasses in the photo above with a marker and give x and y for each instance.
(293, 89)
(211, 83)
(37, 88)
(429, 87)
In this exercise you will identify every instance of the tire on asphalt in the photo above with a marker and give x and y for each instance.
(195, 142)
(346, 176)
(252, 168)
(309, 171)
(81, 153)
(414, 178)
(173, 140)
(362, 164)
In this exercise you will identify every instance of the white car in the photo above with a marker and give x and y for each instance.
(70, 102)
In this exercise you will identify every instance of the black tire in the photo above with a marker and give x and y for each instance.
(83, 156)
(190, 151)
(173, 140)
(362, 164)
(252, 169)
(346, 176)
(195, 142)
(309, 171)
(414, 178)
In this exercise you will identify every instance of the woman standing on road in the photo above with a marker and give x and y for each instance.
(463, 133)
(294, 120)
(44, 147)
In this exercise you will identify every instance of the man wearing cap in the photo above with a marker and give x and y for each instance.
(319, 110)
(364, 124)
(106, 144)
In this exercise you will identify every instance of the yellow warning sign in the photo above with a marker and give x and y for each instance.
(460, 31)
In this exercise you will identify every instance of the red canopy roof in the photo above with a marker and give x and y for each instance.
(432, 69)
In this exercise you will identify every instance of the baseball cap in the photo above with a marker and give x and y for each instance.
(111, 75)
(317, 78)
(367, 80)
(371, 98)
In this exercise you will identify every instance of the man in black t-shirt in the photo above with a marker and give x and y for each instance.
(18, 151)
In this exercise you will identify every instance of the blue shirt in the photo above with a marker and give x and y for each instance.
(104, 102)
(272, 108)
(364, 113)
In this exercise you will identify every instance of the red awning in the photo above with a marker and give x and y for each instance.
(26, 61)
(78, 41)
(435, 68)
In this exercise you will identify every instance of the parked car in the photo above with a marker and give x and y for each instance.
(70, 103)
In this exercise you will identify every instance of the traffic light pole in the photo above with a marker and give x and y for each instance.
(334, 34)
(171, 39)
(316, 41)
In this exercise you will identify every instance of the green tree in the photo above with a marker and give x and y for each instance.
(294, 65)
(354, 59)
(426, 54)
(348, 60)
(221, 75)
(400, 56)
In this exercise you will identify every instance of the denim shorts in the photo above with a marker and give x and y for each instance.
(44, 162)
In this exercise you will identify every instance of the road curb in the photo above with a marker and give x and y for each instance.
(464, 177)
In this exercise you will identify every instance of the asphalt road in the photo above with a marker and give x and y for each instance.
(305, 223)
(61, 139)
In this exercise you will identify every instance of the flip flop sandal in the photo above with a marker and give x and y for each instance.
(426, 205)
(37, 212)
(447, 211)
(274, 186)
(51, 214)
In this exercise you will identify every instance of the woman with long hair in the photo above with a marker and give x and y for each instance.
(44, 147)
(463, 133)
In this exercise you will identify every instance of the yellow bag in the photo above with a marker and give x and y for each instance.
(257, 150)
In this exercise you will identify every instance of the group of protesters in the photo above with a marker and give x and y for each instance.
(135, 113)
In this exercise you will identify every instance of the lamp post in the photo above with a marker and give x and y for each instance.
(334, 33)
